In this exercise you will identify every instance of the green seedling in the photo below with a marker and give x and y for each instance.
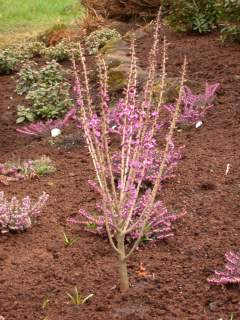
(77, 298)
(45, 303)
(68, 242)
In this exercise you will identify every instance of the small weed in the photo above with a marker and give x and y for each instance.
(43, 166)
(77, 298)
(45, 303)
(68, 242)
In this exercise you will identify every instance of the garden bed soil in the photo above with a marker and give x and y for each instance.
(35, 265)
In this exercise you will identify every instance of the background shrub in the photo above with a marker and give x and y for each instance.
(61, 51)
(192, 16)
(230, 17)
(97, 39)
(46, 91)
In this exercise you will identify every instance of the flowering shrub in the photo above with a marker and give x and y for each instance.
(194, 107)
(128, 210)
(231, 274)
(158, 227)
(42, 128)
(97, 39)
(19, 216)
(46, 90)
(13, 171)
(116, 116)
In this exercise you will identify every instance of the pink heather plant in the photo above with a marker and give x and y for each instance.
(128, 210)
(42, 128)
(10, 173)
(194, 107)
(19, 170)
(231, 274)
(16, 216)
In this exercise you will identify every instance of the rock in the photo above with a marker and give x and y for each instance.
(118, 46)
(137, 34)
(198, 124)
(121, 27)
(213, 306)
(118, 60)
(172, 85)
(117, 77)
(55, 132)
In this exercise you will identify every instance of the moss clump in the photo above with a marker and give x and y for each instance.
(116, 80)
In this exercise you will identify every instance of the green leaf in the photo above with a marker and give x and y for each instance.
(30, 117)
(20, 119)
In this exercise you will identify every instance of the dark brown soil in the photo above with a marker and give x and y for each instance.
(35, 265)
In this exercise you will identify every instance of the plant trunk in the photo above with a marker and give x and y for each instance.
(122, 265)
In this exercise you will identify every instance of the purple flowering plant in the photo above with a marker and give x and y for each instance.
(18, 215)
(231, 272)
(43, 128)
(27, 169)
(128, 210)
(194, 107)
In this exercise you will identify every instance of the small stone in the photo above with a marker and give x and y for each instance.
(55, 132)
(199, 124)
(213, 306)
(71, 174)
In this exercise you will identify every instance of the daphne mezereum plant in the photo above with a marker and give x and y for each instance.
(231, 273)
(127, 208)
(19, 216)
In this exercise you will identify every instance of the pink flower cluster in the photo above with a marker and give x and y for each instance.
(10, 173)
(159, 225)
(194, 107)
(42, 128)
(19, 216)
(153, 162)
(231, 274)
(152, 155)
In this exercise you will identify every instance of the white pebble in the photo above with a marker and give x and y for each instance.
(227, 169)
(199, 124)
(55, 132)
